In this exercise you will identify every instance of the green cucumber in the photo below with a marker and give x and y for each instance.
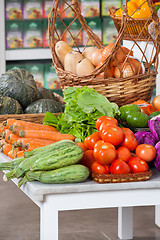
(51, 147)
(25, 165)
(64, 157)
(12, 164)
(70, 174)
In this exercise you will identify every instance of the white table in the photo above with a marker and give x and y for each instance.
(52, 198)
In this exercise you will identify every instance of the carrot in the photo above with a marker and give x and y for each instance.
(81, 144)
(28, 125)
(2, 128)
(6, 134)
(12, 138)
(2, 142)
(55, 136)
(6, 148)
(15, 154)
(32, 145)
(22, 141)
(16, 129)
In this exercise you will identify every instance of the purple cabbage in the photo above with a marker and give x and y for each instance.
(157, 160)
(145, 138)
(154, 125)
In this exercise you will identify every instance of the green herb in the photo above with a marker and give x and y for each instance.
(83, 107)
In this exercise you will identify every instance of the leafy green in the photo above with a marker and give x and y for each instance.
(83, 107)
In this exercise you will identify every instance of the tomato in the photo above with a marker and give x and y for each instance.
(81, 144)
(126, 130)
(118, 166)
(90, 141)
(156, 102)
(88, 159)
(123, 153)
(112, 134)
(129, 141)
(146, 152)
(99, 168)
(107, 120)
(104, 152)
(138, 165)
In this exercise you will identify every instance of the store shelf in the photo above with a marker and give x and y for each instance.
(28, 54)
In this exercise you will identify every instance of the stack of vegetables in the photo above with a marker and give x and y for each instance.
(54, 163)
(19, 136)
(20, 94)
(113, 149)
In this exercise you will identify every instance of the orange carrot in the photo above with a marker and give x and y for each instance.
(2, 142)
(28, 125)
(55, 136)
(32, 145)
(6, 148)
(2, 128)
(81, 144)
(6, 134)
(15, 154)
(22, 141)
(12, 138)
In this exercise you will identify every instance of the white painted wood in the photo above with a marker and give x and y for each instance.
(125, 222)
(49, 219)
(157, 215)
(2, 38)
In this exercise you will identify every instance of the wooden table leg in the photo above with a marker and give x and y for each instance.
(125, 222)
(48, 221)
(157, 215)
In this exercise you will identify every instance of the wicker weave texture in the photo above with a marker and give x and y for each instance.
(122, 89)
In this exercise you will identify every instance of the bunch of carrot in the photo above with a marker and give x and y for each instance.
(18, 136)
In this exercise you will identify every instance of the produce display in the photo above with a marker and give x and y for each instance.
(93, 136)
(84, 64)
(20, 94)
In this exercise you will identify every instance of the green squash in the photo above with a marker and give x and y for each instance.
(44, 93)
(9, 106)
(20, 85)
(44, 105)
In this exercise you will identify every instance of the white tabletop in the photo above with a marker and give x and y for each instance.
(37, 190)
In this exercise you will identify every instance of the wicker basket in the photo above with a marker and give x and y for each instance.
(120, 178)
(137, 29)
(122, 90)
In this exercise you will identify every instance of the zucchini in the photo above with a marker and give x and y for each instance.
(50, 152)
(64, 157)
(70, 174)
(12, 164)
(53, 146)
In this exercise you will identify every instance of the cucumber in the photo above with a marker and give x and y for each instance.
(65, 157)
(70, 174)
(25, 165)
(53, 146)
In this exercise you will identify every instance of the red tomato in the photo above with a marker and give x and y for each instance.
(104, 152)
(123, 153)
(118, 166)
(126, 130)
(107, 120)
(90, 141)
(112, 134)
(81, 144)
(129, 141)
(138, 165)
(88, 159)
(99, 168)
(146, 152)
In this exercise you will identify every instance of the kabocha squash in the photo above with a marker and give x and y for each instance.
(20, 85)
(44, 105)
(44, 93)
(9, 106)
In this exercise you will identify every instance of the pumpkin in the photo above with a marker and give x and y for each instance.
(44, 105)
(9, 106)
(44, 93)
(20, 85)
